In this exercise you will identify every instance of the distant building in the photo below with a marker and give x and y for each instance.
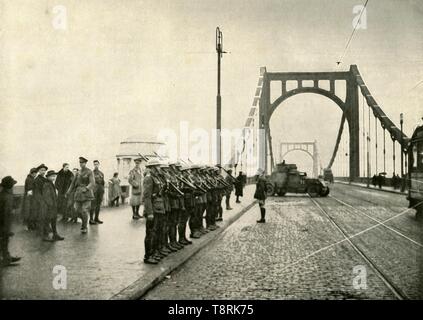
(130, 149)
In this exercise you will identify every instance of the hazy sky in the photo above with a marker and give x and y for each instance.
(127, 67)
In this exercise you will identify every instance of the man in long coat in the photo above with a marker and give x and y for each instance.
(38, 202)
(49, 215)
(135, 179)
(62, 183)
(28, 212)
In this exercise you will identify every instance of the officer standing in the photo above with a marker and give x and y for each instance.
(229, 179)
(98, 194)
(154, 210)
(83, 183)
(260, 194)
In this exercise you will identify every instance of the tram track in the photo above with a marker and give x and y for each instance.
(398, 293)
(396, 213)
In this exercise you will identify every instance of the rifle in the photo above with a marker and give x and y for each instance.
(143, 157)
(167, 178)
(230, 175)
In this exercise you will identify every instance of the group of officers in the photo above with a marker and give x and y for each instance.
(176, 196)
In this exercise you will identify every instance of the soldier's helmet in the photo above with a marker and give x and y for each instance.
(195, 166)
(152, 163)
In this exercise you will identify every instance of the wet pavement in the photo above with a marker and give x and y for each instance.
(98, 265)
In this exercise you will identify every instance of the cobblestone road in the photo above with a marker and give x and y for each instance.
(300, 254)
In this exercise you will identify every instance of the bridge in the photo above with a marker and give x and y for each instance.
(309, 148)
(365, 127)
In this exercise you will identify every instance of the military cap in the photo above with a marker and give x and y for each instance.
(83, 160)
(42, 166)
(152, 162)
(33, 170)
(51, 173)
(8, 182)
(96, 161)
(138, 159)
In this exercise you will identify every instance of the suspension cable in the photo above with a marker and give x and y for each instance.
(393, 154)
(363, 144)
(369, 145)
(376, 144)
(384, 149)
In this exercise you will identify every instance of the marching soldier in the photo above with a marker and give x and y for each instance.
(83, 183)
(154, 211)
(98, 194)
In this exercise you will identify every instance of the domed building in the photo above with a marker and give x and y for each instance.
(132, 148)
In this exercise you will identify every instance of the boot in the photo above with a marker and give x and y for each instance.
(151, 260)
(171, 248)
(263, 215)
(57, 237)
(185, 242)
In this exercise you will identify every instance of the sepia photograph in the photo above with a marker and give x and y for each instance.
(224, 151)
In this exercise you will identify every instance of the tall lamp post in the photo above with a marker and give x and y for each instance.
(402, 154)
(219, 50)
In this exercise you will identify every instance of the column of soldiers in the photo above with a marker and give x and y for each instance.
(176, 196)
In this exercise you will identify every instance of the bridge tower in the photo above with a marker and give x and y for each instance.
(350, 107)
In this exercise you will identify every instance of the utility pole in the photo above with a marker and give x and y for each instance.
(219, 50)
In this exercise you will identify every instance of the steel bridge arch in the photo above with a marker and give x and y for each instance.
(297, 91)
(298, 149)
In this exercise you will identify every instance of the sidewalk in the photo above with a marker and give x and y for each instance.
(371, 187)
(106, 263)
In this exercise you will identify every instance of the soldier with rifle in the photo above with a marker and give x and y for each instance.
(174, 196)
(163, 225)
(154, 211)
(190, 192)
(196, 222)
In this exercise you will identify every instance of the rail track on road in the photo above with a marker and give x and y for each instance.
(399, 294)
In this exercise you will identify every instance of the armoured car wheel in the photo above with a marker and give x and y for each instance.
(324, 192)
(313, 191)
